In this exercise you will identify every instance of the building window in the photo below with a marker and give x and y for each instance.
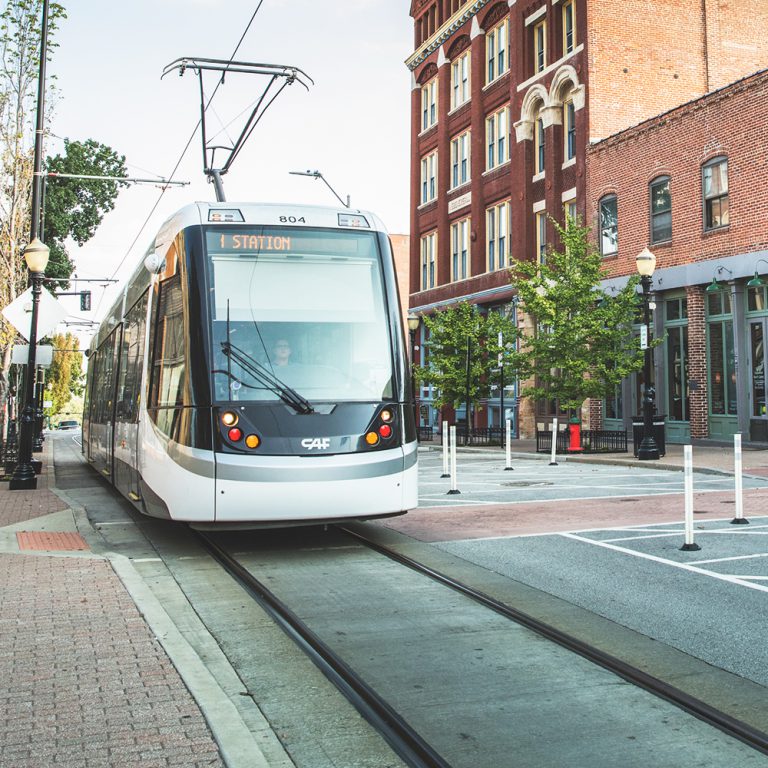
(460, 81)
(497, 239)
(540, 47)
(569, 132)
(428, 250)
(661, 210)
(541, 237)
(609, 225)
(497, 51)
(429, 104)
(497, 132)
(715, 193)
(460, 160)
(460, 250)
(429, 178)
(569, 26)
(571, 213)
(539, 148)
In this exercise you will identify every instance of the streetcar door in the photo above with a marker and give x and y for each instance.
(127, 400)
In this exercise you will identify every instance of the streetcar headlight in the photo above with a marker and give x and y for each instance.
(253, 441)
(235, 434)
(229, 419)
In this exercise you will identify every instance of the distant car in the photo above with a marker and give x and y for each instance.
(68, 425)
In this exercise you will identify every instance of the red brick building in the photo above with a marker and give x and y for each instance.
(690, 185)
(507, 96)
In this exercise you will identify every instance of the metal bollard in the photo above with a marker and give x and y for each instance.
(689, 545)
(509, 444)
(454, 480)
(552, 461)
(446, 473)
(739, 519)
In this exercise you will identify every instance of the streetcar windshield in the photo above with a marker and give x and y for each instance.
(307, 305)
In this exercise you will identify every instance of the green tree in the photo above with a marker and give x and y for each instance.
(74, 208)
(64, 379)
(582, 344)
(463, 353)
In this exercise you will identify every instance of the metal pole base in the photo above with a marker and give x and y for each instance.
(507, 469)
(24, 478)
(648, 450)
(444, 475)
(453, 493)
(553, 464)
(690, 548)
(739, 521)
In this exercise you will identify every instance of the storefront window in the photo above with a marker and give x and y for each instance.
(722, 368)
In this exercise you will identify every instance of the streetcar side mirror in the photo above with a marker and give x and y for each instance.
(153, 263)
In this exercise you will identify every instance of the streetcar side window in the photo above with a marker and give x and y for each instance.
(167, 384)
(131, 362)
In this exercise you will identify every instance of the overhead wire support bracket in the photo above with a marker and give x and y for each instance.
(279, 76)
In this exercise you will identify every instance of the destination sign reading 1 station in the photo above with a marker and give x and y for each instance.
(252, 243)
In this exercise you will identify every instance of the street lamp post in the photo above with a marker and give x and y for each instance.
(24, 477)
(646, 263)
(413, 325)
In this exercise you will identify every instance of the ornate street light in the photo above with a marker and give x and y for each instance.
(24, 477)
(413, 325)
(646, 264)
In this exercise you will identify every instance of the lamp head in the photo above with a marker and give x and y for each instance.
(646, 262)
(713, 287)
(755, 282)
(413, 322)
(36, 255)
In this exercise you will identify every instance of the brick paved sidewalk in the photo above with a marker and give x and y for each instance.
(83, 682)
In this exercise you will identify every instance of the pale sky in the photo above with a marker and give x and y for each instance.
(352, 125)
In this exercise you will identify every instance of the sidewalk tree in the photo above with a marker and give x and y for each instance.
(74, 208)
(582, 345)
(88, 201)
(64, 378)
(463, 354)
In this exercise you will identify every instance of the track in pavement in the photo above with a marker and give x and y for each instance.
(482, 739)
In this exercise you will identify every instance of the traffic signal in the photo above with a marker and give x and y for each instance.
(85, 301)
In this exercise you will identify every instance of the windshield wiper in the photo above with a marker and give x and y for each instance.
(267, 378)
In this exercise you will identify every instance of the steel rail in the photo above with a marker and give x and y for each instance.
(738, 729)
(403, 739)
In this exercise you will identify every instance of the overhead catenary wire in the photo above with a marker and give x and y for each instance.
(183, 153)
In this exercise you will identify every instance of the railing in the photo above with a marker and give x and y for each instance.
(477, 436)
(592, 441)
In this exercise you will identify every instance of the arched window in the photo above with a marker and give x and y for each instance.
(661, 210)
(609, 225)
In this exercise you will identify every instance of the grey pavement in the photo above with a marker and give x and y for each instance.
(84, 682)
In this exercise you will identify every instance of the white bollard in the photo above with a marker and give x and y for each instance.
(509, 444)
(454, 479)
(446, 472)
(689, 545)
(552, 461)
(739, 519)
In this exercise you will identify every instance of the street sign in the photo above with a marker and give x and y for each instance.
(50, 312)
(43, 355)
(47, 403)
(643, 337)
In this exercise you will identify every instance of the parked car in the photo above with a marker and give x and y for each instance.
(71, 424)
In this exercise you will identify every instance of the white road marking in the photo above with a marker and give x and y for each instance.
(663, 561)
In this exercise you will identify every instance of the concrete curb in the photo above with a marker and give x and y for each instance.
(238, 746)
